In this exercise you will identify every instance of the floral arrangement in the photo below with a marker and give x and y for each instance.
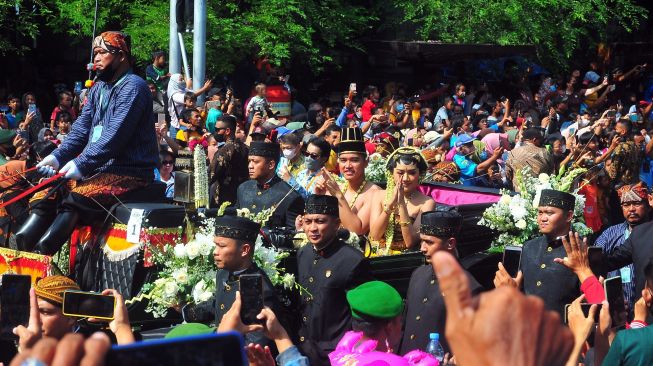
(514, 217)
(375, 171)
(187, 273)
(201, 186)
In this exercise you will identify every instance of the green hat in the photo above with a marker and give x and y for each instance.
(7, 136)
(189, 329)
(374, 300)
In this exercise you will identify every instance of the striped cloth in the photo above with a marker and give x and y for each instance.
(609, 240)
(114, 133)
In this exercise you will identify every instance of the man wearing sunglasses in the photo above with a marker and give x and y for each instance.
(315, 156)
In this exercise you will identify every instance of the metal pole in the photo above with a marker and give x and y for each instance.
(174, 57)
(199, 47)
(184, 58)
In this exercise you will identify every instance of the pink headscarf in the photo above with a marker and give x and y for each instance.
(350, 348)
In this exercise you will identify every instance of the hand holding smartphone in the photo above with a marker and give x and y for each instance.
(512, 260)
(352, 90)
(81, 304)
(251, 295)
(14, 303)
(614, 293)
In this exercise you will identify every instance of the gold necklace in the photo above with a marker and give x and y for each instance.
(358, 192)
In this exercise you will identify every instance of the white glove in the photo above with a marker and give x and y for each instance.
(48, 166)
(71, 171)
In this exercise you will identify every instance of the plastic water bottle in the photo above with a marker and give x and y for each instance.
(434, 347)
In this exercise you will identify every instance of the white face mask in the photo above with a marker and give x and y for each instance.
(289, 153)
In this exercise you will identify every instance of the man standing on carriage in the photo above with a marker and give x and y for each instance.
(110, 151)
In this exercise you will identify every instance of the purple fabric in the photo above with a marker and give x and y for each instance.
(351, 351)
(454, 197)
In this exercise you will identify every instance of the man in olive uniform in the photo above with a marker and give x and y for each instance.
(539, 274)
(233, 255)
(425, 308)
(266, 190)
(327, 269)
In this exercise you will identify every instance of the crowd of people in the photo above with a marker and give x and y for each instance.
(311, 170)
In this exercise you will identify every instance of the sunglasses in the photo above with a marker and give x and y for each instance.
(167, 162)
(311, 155)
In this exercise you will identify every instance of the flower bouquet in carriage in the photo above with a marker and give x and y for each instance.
(514, 216)
(187, 273)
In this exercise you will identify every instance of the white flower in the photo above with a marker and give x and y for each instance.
(288, 280)
(505, 199)
(521, 224)
(192, 250)
(205, 296)
(536, 199)
(170, 289)
(180, 275)
(201, 292)
(206, 243)
(180, 251)
(543, 178)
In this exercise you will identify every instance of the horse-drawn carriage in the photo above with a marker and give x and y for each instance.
(118, 252)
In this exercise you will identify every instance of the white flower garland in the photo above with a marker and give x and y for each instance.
(201, 186)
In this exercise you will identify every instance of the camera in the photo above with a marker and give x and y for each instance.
(279, 237)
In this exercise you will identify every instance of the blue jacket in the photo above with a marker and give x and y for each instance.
(114, 133)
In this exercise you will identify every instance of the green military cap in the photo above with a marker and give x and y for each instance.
(374, 300)
(7, 136)
(189, 329)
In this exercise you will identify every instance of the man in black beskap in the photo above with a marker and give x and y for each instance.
(425, 307)
(234, 256)
(327, 269)
(265, 190)
(539, 273)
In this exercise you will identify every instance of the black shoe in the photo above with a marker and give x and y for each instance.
(31, 231)
(58, 233)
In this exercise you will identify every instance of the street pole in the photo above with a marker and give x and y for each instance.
(174, 56)
(199, 47)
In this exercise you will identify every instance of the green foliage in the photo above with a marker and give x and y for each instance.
(279, 29)
(557, 28)
(17, 27)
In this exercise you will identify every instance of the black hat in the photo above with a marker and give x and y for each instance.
(264, 149)
(236, 227)
(351, 141)
(323, 205)
(559, 199)
(441, 223)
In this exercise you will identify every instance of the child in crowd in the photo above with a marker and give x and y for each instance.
(258, 103)
(65, 105)
(63, 122)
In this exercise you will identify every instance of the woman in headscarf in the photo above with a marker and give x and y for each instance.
(178, 86)
(397, 210)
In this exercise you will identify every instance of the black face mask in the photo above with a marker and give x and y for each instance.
(106, 75)
(219, 137)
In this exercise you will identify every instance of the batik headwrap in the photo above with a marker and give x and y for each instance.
(53, 287)
(633, 193)
(113, 42)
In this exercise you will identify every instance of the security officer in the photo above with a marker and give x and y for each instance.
(266, 190)
(327, 269)
(541, 276)
(233, 255)
(425, 308)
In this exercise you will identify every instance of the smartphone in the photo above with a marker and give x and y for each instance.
(78, 87)
(611, 113)
(511, 260)
(352, 90)
(161, 118)
(31, 108)
(224, 349)
(251, 298)
(14, 303)
(615, 294)
(81, 304)
(595, 257)
(586, 311)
